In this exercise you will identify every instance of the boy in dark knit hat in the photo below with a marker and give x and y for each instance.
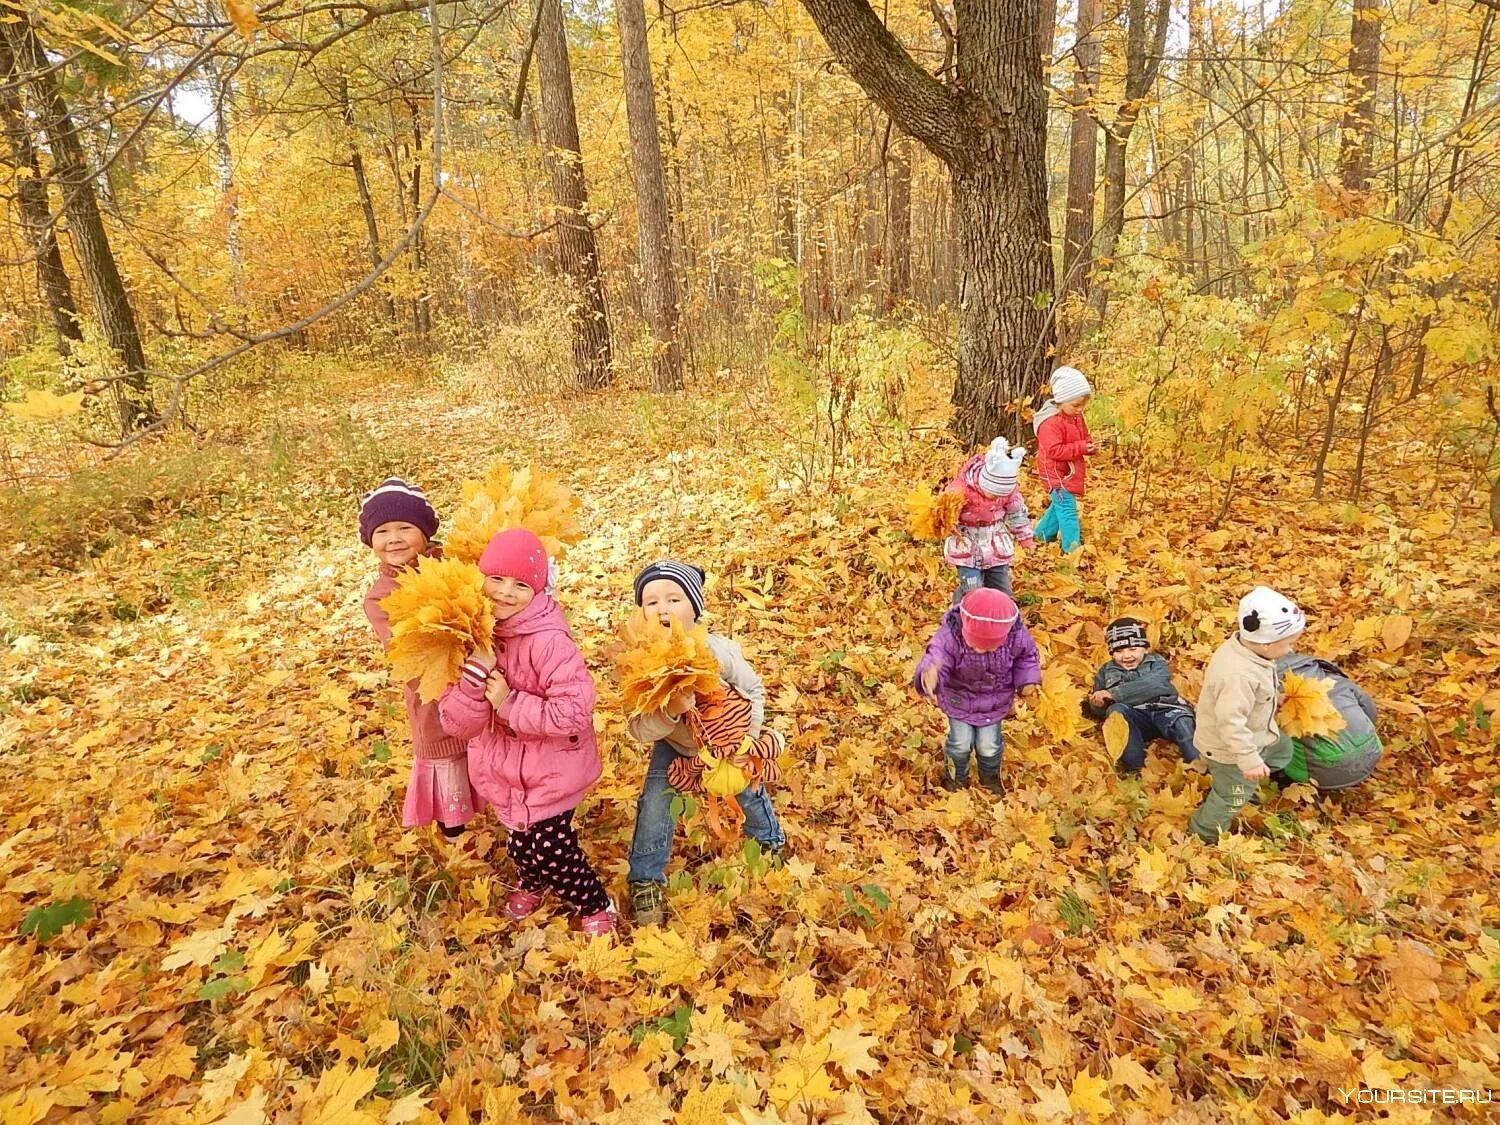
(1136, 684)
(397, 523)
(669, 590)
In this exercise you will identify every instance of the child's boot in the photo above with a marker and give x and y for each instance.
(648, 906)
(990, 780)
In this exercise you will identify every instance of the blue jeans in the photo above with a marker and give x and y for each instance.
(1145, 725)
(1060, 521)
(984, 741)
(972, 578)
(651, 845)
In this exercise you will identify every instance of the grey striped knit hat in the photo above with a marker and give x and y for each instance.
(686, 575)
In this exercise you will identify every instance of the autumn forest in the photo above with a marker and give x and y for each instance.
(744, 283)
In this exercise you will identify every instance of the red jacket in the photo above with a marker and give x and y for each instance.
(536, 757)
(1062, 444)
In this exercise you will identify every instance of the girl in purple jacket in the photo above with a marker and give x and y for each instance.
(528, 717)
(976, 663)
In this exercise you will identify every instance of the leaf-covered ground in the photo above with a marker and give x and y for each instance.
(210, 911)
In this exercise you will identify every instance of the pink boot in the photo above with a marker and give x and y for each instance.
(597, 925)
(521, 904)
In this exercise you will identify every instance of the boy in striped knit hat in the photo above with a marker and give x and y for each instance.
(666, 591)
(397, 523)
(1136, 684)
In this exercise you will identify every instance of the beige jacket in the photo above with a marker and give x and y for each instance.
(736, 672)
(1237, 706)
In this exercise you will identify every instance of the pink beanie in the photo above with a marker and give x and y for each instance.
(517, 554)
(986, 617)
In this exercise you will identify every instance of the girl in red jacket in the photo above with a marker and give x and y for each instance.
(528, 717)
(1063, 442)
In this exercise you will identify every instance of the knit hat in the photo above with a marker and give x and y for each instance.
(1001, 468)
(687, 576)
(396, 501)
(986, 617)
(1069, 383)
(1267, 617)
(1125, 632)
(517, 554)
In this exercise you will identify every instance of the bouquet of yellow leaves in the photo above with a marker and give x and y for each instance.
(1306, 711)
(932, 515)
(654, 664)
(439, 616)
(505, 498)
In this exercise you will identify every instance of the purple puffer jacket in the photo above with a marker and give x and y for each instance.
(978, 688)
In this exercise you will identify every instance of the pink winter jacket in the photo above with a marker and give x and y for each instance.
(536, 757)
(988, 526)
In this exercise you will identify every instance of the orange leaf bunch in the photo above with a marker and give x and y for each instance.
(932, 515)
(1306, 711)
(438, 615)
(505, 498)
(655, 664)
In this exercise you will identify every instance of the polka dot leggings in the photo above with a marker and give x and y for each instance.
(547, 857)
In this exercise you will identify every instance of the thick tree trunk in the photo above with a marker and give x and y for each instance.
(990, 132)
(578, 254)
(75, 181)
(35, 211)
(1358, 129)
(1083, 151)
(898, 221)
(658, 275)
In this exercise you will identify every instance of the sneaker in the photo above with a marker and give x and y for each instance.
(597, 925)
(992, 783)
(648, 906)
(522, 904)
(954, 784)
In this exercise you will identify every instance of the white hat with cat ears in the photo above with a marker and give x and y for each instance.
(1267, 617)
(1001, 468)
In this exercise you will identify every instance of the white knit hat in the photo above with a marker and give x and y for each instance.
(1069, 383)
(1001, 468)
(1267, 617)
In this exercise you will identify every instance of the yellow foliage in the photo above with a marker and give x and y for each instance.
(44, 406)
(505, 498)
(1116, 733)
(932, 515)
(439, 616)
(724, 778)
(655, 663)
(1306, 711)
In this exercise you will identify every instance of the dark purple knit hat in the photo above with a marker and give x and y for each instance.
(394, 501)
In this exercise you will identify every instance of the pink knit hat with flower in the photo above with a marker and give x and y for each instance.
(986, 617)
(517, 554)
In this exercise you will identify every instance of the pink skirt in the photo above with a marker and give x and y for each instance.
(439, 792)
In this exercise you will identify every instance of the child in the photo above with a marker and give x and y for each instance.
(1237, 729)
(1063, 442)
(976, 662)
(528, 716)
(668, 591)
(993, 519)
(1136, 684)
(397, 523)
(1340, 760)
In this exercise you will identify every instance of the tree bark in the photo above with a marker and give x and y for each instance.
(1083, 151)
(654, 232)
(75, 180)
(990, 132)
(578, 253)
(898, 221)
(35, 211)
(1358, 129)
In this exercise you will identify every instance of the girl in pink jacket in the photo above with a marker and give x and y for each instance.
(528, 717)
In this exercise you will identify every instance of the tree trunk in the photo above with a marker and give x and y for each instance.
(1083, 151)
(1358, 129)
(35, 211)
(578, 254)
(658, 274)
(75, 180)
(991, 133)
(898, 221)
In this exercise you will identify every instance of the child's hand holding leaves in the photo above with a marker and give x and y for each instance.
(496, 688)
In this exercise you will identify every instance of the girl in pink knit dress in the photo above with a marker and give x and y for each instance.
(397, 523)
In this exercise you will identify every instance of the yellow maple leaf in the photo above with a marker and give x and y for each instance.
(654, 664)
(1057, 709)
(242, 14)
(1116, 734)
(384, 1037)
(44, 406)
(1178, 998)
(338, 1091)
(439, 616)
(706, 1106)
(932, 515)
(849, 1047)
(668, 958)
(1306, 711)
(801, 1075)
(505, 498)
(197, 949)
(1087, 1096)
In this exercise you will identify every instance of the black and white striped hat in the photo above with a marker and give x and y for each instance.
(686, 575)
